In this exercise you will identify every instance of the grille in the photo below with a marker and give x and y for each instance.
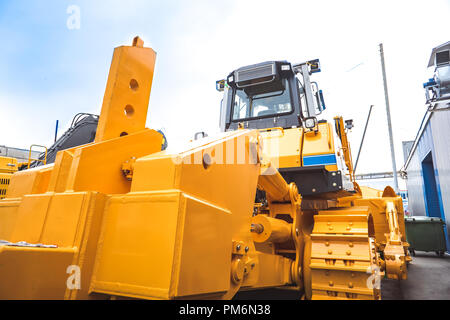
(443, 57)
(4, 183)
(256, 73)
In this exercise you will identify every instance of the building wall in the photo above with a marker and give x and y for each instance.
(407, 147)
(440, 124)
(415, 186)
(415, 182)
(435, 139)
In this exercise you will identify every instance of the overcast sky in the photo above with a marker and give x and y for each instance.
(48, 72)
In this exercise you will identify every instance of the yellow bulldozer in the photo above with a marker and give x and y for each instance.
(271, 202)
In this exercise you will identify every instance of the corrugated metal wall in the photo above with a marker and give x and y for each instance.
(416, 201)
(440, 125)
(415, 182)
(435, 139)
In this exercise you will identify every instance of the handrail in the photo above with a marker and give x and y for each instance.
(39, 160)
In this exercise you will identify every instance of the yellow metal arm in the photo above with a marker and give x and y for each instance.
(125, 104)
(394, 253)
(347, 153)
(273, 183)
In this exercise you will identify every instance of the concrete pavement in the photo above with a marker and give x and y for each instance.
(428, 279)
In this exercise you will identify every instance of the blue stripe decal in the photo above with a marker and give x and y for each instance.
(320, 160)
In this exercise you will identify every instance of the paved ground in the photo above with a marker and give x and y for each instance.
(428, 279)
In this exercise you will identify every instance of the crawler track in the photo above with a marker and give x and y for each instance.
(343, 255)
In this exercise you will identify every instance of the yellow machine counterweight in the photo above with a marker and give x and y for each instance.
(259, 206)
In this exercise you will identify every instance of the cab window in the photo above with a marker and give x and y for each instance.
(263, 104)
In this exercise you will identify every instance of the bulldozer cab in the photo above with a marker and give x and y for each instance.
(280, 100)
(270, 94)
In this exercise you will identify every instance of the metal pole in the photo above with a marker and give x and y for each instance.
(388, 114)
(56, 130)
(362, 140)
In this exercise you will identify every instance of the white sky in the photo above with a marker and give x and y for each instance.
(199, 42)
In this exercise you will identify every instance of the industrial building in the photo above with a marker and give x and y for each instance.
(427, 163)
(20, 154)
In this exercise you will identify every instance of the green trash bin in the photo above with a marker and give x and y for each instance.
(425, 234)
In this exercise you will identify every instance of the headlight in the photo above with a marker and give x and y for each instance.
(349, 124)
(310, 123)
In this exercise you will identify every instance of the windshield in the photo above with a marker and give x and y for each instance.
(259, 105)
